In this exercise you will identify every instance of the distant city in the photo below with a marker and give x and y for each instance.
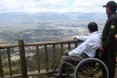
(39, 27)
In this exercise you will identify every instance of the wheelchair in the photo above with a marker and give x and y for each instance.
(87, 68)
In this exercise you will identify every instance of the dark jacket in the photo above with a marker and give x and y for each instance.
(110, 29)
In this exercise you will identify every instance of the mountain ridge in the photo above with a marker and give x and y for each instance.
(23, 17)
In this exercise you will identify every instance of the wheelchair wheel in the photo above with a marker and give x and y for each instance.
(91, 68)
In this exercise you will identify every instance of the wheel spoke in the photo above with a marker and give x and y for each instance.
(91, 69)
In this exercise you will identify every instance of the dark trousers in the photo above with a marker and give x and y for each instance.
(65, 58)
(109, 58)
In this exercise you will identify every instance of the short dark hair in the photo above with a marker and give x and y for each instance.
(92, 26)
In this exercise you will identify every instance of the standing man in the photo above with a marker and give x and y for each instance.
(109, 38)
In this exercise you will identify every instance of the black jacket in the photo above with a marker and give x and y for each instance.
(110, 29)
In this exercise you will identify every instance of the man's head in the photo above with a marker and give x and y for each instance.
(92, 26)
(111, 7)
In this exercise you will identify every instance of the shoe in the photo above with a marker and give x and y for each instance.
(57, 74)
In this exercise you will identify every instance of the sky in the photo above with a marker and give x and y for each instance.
(52, 5)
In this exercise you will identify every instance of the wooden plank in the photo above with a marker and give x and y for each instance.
(1, 69)
(22, 58)
(46, 58)
(76, 44)
(2, 46)
(69, 46)
(54, 55)
(9, 61)
(33, 73)
(62, 50)
(38, 58)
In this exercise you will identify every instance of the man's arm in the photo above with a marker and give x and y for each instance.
(80, 48)
(77, 50)
(116, 36)
(82, 38)
(113, 28)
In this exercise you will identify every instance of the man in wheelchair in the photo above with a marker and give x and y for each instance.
(85, 50)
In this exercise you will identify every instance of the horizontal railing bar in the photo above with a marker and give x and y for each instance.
(2, 46)
(30, 74)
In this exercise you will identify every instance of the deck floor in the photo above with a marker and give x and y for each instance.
(116, 73)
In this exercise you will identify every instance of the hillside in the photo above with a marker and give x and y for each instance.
(45, 31)
(34, 27)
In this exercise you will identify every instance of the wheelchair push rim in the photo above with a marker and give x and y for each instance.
(91, 68)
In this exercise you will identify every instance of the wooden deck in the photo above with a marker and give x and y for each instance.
(115, 74)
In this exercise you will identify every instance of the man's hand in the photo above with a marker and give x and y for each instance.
(75, 38)
(116, 36)
(101, 49)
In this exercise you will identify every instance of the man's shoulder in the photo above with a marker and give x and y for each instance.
(96, 36)
(114, 16)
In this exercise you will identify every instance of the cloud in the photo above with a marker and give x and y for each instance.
(52, 5)
(90, 5)
(32, 5)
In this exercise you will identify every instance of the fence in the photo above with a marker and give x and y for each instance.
(36, 48)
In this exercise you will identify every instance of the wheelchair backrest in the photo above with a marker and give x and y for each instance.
(98, 54)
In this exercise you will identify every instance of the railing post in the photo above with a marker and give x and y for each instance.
(62, 50)
(46, 57)
(9, 61)
(22, 58)
(38, 58)
(76, 44)
(69, 46)
(54, 62)
(1, 69)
